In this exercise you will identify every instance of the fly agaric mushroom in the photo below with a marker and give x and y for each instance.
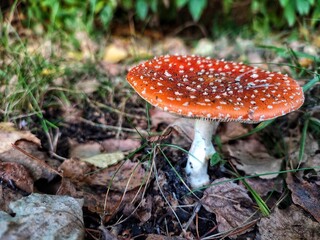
(212, 91)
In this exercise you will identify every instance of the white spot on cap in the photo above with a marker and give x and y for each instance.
(167, 74)
(185, 104)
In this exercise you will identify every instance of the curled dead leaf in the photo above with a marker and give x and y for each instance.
(27, 154)
(9, 135)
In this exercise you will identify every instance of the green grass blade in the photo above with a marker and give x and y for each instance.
(262, 205)
(311, 83)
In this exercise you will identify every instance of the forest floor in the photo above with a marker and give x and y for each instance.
(83, 155)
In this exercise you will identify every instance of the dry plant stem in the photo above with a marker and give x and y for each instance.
(200, 152)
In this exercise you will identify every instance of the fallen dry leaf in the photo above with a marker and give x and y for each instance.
(264, 186)
(231, 130)
(83, 180)
(9, 135)
(144, 212)
(231, 204)
(41, 216)
(17, 175)
(104, 160)
(110, 205)
(291, 223)
(84, 150)
(185, 127)
(27, 154)
(311, 148)
(254, 158)
(124, 176)
(123, 145)
(75, 169)
(67, 187)
(305, 194)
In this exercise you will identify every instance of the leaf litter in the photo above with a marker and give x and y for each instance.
(232, 205)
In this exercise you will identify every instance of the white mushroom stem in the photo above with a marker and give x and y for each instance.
(200, 152)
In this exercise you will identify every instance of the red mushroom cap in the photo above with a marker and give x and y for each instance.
(215, 89)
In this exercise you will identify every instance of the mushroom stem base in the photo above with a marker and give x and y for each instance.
(200, 152)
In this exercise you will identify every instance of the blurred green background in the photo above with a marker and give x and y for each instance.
(217, 16)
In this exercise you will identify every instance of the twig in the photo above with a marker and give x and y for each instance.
(196, 209)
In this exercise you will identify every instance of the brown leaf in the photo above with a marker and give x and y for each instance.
(68, 188)
(111, 204)
(231, 204)
(84, 150)
(305, 194)
(123, 145)
(231, 130)
(105, 160)
(75, 169)
(185, 127)
(17, 174)
(27, 154)
(9, 135)
(124, 176)
(143, 213)
(83, 180)
(254, 158)
(264, 186)
(290, 223)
